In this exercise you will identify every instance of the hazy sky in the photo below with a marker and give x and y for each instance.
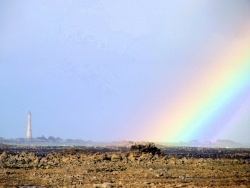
(96, 69)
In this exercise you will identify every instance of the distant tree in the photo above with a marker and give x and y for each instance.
(41, 138)
(44, 137)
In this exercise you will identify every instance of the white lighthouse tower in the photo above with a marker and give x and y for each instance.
(29, 131)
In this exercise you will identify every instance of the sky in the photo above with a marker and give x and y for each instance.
(106, 70)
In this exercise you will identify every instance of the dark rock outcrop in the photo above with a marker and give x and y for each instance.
(147, 148)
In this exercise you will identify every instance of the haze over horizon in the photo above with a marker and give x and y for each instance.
(164, 70)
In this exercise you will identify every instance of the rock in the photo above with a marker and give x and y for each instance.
(145, 157)
(116, 157)
(107, 185)
(147, 148)
(3, 155)
(180, 185)
(105, 157)
(131, 157)
(172, 161)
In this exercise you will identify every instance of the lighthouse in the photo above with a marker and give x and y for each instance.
(29, 131)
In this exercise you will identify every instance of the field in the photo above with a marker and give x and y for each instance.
(139, 166)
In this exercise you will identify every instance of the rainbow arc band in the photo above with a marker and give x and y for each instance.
(208, 105)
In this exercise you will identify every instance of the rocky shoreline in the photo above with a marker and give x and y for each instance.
(138, 166)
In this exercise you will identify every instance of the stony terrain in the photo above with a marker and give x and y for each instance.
(139, 166)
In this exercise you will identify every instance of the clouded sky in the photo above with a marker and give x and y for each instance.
(97, 69)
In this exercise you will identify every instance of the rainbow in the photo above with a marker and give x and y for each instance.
(210, 103)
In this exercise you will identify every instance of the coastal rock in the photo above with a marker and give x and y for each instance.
(76, 168)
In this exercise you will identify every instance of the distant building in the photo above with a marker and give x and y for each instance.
(29, 131)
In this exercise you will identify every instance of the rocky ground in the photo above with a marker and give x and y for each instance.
(139, 166)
